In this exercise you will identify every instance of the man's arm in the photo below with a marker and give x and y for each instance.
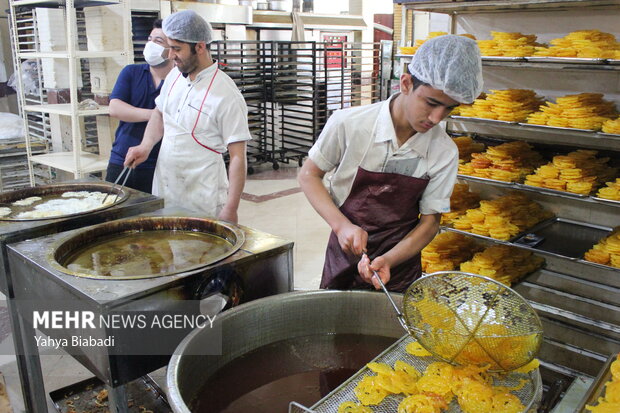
(122, 110)
(237, 167)
(408, 247)
(352, 239)
(153, 134)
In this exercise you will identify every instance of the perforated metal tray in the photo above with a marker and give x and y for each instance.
(531, 125)
(504, 58)
(530, 395)
(577, 60)
(483, 120)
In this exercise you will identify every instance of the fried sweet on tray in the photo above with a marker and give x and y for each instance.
(509, 162)
(503, 263)
(582, 111)
(420, 42)
(511, 105)
(611, 400)
(502, 218)
(611, 126)
(509, 44)
(582, 44)
(611, 191)
(460, 201)
(467, 146)
(579, 172)
(607, 251)
(433, 391)
(447, 250)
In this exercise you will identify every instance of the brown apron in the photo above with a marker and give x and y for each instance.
(386, 205)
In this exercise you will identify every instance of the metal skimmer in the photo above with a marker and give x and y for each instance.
(465, 318)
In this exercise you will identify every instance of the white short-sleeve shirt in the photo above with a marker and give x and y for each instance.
(364, 137)
(217, 120)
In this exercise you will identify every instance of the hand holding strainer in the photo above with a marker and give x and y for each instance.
(465, 318)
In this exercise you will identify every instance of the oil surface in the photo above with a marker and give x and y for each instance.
(147, 253)
(304, 370)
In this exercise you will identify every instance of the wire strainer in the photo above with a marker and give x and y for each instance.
(464, 318)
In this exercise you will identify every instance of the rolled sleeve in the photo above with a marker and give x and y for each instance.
(436, 197)
(327, 152)
(234, 122)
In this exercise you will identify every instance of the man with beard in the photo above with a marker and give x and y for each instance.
(132, 102)
(200, 115)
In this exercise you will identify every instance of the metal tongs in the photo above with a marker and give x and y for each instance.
(118, 178)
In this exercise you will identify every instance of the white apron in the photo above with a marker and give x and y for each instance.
(188, 173)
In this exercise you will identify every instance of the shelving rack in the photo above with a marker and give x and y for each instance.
(577, 301)
(81, 158)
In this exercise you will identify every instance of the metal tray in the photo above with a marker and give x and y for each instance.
(471, 234)
(504, 58)
(143, 394)
(486, 180)
(608, 135)
(556, 127)
(578, 60)
(344, 392)
(596, 389)
(564, 238)
(613, 61)
(606, 201)
(550, 191)
(597, 265)
(482, 120)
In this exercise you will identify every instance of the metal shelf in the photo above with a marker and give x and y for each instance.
(60, 3)
(66, 110)
(65, 161)
(537, 65)
(485, 6)
(588, 201)
(65, 55)
(533, 133)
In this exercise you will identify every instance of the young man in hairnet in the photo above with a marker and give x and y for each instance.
(132, 102)
(392, 169)
(200, 114)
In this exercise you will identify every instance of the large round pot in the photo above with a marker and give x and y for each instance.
(270, 320)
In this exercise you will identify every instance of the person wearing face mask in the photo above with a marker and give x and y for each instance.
(200, 115)
(132, 101)
(392, 169)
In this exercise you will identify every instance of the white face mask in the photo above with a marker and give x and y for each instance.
(154, 53)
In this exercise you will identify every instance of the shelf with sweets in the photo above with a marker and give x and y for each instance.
(486, 6)
(588, 201)
(535, 133)
(521, 63)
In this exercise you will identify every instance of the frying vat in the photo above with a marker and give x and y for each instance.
(60, 252)
(269, 320)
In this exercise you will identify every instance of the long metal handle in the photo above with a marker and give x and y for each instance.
(118, 178)
(400, 316)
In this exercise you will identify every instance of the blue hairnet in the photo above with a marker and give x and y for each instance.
(187, 26)
(451, 64)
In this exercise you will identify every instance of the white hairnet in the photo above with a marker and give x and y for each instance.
(451, 64)
(187, 26)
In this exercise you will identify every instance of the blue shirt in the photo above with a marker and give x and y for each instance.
(135, 87)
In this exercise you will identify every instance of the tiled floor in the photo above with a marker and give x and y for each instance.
(272, 202)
